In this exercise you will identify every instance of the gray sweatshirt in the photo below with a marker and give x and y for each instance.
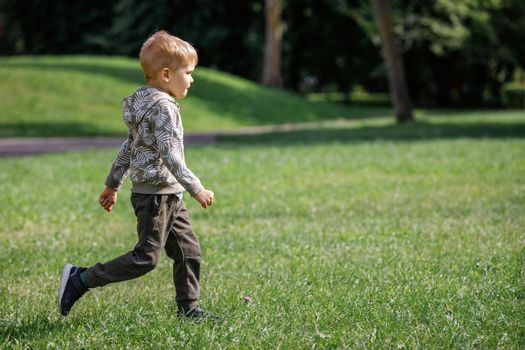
(153, 153)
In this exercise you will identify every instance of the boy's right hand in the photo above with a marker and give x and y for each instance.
(107, 198)
(205, 198)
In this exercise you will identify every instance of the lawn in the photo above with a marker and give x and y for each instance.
(81, 96)
(354, 235)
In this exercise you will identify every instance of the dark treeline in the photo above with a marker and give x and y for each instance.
(455, 52)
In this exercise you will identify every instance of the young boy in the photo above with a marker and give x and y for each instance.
(153, 157)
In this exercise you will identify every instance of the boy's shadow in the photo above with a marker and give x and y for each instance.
(27, 329)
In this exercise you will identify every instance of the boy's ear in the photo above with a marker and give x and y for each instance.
(165, 74)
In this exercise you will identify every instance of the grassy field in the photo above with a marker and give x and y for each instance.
(81, 96)
(353, 232)
(349, 236)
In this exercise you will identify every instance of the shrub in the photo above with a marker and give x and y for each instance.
(513, 95)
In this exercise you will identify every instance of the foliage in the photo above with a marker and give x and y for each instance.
(40, 27)
(513, 92)
(228, 35)
(456, 52)
(342, 239)
(461, 52)
(324, 50)
(513, 95)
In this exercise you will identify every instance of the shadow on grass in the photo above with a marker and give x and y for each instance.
(267, 106)
(417, 131)
(27, 329)
(55, 129)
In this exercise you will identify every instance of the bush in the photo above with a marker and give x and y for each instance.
(513, 95)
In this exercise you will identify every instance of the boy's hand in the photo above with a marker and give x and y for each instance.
(205, 198)
(107, 198)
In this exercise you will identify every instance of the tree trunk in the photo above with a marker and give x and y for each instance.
(272, 49)
(393, 60)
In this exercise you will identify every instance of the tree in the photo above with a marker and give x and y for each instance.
(43, 27)
(272, 49)
(393, 60)
(318, 57)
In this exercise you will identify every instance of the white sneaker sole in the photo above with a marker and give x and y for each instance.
(63, 282)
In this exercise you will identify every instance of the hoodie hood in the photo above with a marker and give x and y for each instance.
(137, 105)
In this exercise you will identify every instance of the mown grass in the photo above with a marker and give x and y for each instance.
(81, 96)
(413, 239)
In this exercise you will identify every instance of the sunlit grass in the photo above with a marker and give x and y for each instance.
(340, 242)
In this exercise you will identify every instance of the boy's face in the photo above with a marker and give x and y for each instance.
(178, 80)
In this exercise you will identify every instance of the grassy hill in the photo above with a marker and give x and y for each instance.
(81, 96)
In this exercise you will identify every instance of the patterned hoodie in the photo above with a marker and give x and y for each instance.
(153, 153)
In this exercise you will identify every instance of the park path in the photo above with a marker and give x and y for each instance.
(21, 146)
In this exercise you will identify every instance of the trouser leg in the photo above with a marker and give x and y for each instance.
(153, 213)
(183, 247)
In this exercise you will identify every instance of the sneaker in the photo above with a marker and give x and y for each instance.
(71, 289)
(199, 314)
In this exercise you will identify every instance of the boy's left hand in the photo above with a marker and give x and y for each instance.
(107, 198)
(205, 198)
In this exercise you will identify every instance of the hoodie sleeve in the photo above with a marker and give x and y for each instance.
(167, 128)
(120, 168)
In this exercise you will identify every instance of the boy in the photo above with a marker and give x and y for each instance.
(153, 157)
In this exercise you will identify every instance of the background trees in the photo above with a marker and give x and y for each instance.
(455, 53)
(461, 52)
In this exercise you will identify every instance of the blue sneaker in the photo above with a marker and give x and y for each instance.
(71, 288)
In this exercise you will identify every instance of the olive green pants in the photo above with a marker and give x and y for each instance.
(162, 223)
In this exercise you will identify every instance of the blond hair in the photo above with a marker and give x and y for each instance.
(163, 50)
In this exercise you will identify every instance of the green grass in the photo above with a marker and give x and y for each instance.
(81, 96)
(364, 235)
(356, 97)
